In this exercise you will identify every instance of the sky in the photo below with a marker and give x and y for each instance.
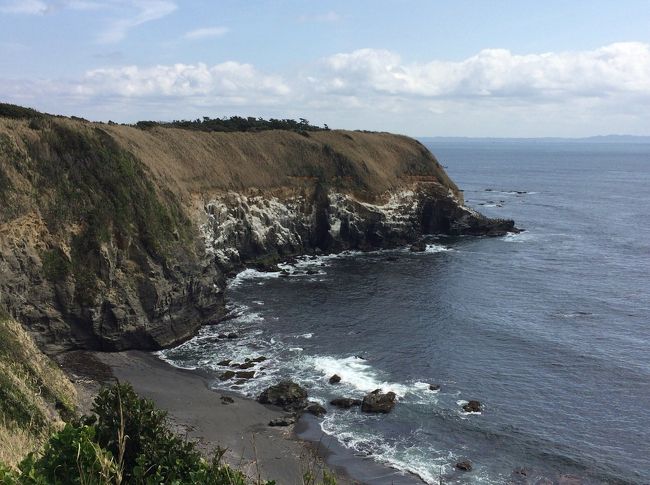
(498, 68)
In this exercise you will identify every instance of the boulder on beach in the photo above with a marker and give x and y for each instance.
(377, 402)
(472, 407)
(464, 465)
(335, 379)
(286, 394)
(282, 421)
(345, 402)
(227, 400)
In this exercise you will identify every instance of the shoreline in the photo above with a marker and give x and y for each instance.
(283, 454)
(198, 413)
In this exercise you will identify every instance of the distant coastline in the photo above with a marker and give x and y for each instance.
(604, 139)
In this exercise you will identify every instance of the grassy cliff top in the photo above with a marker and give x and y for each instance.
(195, 162)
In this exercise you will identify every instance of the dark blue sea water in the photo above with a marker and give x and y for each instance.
(549, 329)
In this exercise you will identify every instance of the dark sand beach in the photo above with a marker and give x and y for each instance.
(259, 450)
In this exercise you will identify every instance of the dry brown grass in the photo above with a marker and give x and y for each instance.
(193, 162)
(31, 386)
(16, 443)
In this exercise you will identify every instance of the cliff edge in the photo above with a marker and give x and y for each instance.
(114, 237)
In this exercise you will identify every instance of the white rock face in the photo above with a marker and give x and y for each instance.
(236, 226)
(234, 222)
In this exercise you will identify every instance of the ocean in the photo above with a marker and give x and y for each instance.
(549, 329)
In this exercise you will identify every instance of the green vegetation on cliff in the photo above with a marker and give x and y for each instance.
(34, 393)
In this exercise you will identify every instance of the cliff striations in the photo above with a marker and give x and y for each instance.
(114, 237)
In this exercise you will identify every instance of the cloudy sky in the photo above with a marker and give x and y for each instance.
(419, 67)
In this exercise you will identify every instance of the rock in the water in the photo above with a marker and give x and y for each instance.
(227, 375)
(472, 407)
(282, 421)
(316, 409)
(345, 402)
(232, 335)
(464, 465)
(222, 335)
(246, 365)
(245, 374)
(224, 363)
(418, 247)
(335, 379)
(227, 400)
(434, 387)
(286, 394)
(376, 402)
(259, 359)
(311, 272)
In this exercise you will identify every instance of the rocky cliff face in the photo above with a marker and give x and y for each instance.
(113, 237)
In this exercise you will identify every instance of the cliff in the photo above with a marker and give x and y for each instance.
(114, 237)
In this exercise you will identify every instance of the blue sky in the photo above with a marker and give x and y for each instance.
(423, 68)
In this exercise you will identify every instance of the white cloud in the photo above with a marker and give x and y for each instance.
(26, 7)
(616, 68)
(231, 82)
(146, 11)
(206, 32)
(494, 92)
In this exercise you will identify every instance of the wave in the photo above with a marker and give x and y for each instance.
(251, 274)
(518, 237)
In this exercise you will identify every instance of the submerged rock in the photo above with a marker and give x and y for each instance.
(472, 407)
(418, 247)
(227, 375)
(316, 409)
(345, 402)
(224, 363)
(246, 365)
(376, 402)
(335, 379)
(464, 465)
(434, 387)
(232, 335)
(286, 394)
(245, 374)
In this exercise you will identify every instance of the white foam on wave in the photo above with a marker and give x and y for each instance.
(404, 455)
(436, 248)
(305, 335)
(251, 274)
(517, 237)
(356, 373)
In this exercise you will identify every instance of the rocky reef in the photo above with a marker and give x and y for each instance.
(114, 237)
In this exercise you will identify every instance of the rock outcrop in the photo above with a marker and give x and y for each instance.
(114, 237)
(287, 394)
(378, 402)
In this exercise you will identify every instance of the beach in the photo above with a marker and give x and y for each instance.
(260, 451)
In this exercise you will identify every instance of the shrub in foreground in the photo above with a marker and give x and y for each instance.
(128, 441)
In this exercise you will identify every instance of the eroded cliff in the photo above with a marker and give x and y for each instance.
(113, 237)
